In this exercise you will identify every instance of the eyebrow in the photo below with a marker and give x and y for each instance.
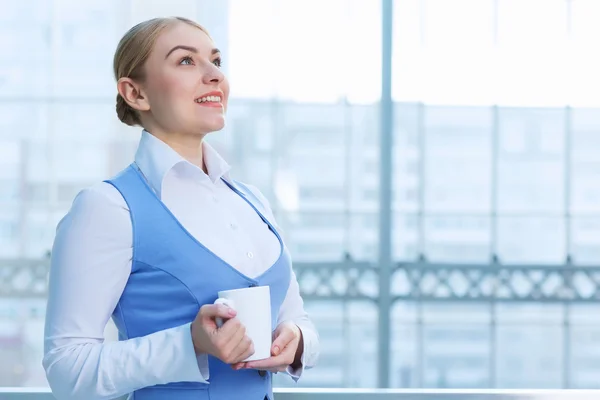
(191, 49)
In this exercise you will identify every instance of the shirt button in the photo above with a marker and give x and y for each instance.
(215, 199)
(250, 254)
(233, 226)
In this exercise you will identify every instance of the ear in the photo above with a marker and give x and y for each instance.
(133, 94)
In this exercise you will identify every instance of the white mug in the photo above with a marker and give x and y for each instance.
(253, 308)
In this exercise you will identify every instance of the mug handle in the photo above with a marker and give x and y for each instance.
(229, 303)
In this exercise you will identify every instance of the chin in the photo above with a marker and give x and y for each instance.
(209, 126)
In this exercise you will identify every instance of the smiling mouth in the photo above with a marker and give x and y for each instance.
(209, 100)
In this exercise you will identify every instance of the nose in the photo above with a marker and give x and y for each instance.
(213, 75)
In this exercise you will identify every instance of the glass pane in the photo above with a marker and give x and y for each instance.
(464, 364)
(309, 64)
(10, 233)
(407, 180)
(405, 363)
(458, 178)
(458, 166)
(585, 161)
(40, 228)
(37, 165)
(455, 313)
(443, 51)
(453, 238)
(449, 25)
(515, 18)
(406, 236)
(20, 323)
(523, 359)
(585, 348)
(407, 156)
(583, 64)
(527, 60)
(531, 160)
(404, 369)
(86, 35)
(534, 313)
(142, 10)
(23, 119)
(524, 239)
(92, 121)
(352, 325)
(585, 240)
(26, 52)
(582, 315)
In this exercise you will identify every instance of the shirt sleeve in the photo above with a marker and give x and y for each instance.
(292, 309)
(90, 265)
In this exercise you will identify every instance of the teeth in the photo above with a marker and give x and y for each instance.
(209, 98)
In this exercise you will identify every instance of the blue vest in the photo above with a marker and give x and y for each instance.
(173, 275)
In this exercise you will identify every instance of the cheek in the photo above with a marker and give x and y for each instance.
(174, 88)
(225, 89)
(159, 92)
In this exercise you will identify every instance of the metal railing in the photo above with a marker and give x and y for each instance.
(371, 394)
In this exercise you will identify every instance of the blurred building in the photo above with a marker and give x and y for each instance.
(477, 183)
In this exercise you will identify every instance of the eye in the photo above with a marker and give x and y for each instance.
(218, 62)
(187, 60)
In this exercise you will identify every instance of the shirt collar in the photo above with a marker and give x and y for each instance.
(156, 159)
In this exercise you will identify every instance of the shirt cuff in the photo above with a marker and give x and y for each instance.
(202, 361)
(192, 368)
(306, 360)
(295, 374)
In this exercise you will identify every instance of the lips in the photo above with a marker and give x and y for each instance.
(210, 98)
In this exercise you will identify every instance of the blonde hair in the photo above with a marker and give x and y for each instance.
(132, 52)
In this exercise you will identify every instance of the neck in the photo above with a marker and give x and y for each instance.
(187, 146)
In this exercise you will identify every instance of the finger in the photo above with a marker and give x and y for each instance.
(282, 341)
(235, 333)
(267, 363)
(238, 366)
(243, 350)
(227, 339)
(249, 351)
(217, 310)
(232, 327)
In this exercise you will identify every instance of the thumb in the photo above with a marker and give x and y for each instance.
(281, 341)
(212, 311)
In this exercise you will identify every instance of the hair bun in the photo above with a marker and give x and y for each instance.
(126, 114)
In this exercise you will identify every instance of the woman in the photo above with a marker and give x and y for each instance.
(152, 247)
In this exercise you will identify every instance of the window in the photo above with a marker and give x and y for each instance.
(9, 191)
(532, 181)
(322, 193)
(457, 153)
(9, 230)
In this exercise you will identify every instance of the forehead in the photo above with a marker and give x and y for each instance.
(185, 34)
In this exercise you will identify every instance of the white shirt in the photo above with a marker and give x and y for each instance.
(91, 262)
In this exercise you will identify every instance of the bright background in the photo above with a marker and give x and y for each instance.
(496, 131)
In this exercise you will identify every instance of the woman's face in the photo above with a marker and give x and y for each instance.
(185, 90)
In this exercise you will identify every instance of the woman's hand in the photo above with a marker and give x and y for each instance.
(286, 350)
(228, 343)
